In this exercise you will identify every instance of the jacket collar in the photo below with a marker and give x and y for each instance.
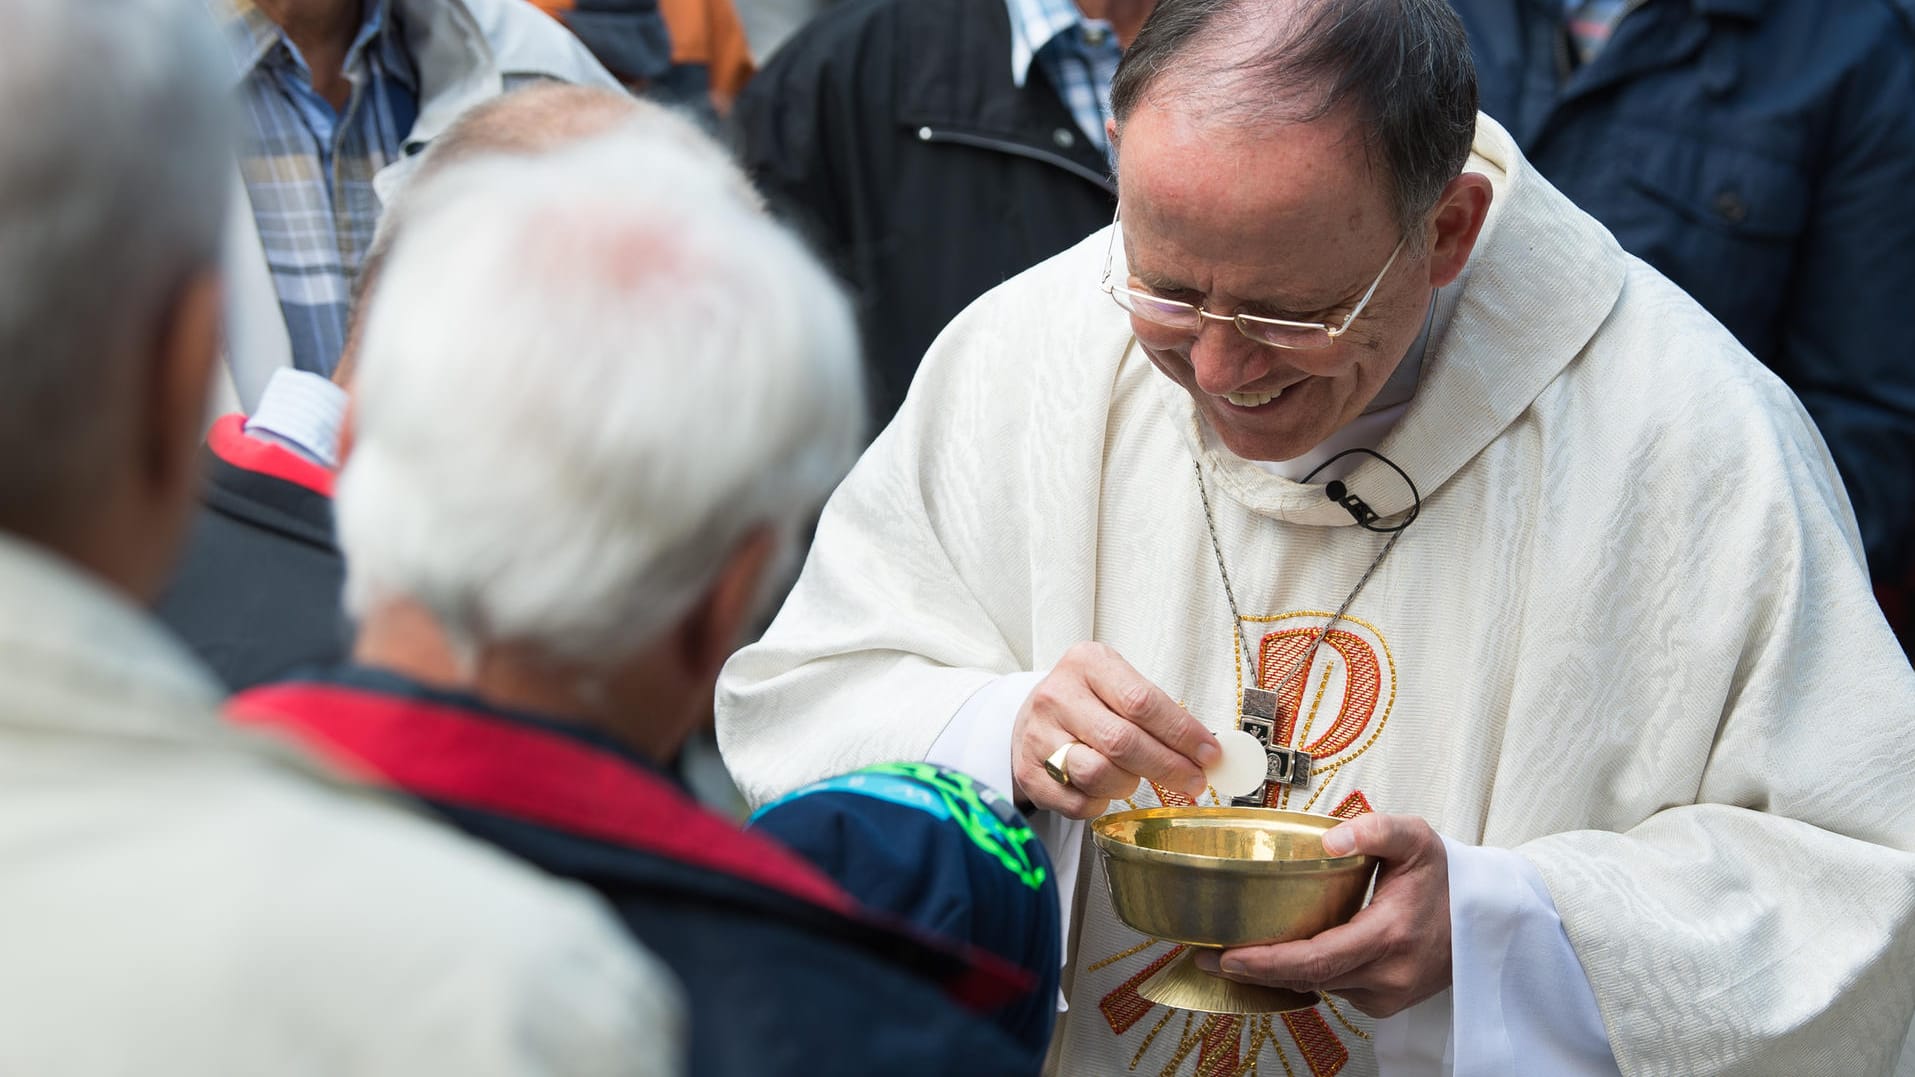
(1520, 315)
(231, 445)
(456, 750)
(465, 49)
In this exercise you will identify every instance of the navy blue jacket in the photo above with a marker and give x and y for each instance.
(1761, 154)
(783, 972)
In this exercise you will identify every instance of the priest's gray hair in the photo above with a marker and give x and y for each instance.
(115, 169)
(586, 377)
(1403, 65)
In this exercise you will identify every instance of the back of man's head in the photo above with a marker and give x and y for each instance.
(114, 162)
(586, 378)
(1401, 69)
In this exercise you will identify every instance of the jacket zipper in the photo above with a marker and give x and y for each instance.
(1016, 149)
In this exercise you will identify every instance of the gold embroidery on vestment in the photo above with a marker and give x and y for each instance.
(1186, 1042)
(1270, 1035)
(1342, 1020)
(1113, 959)
(1150, 1037)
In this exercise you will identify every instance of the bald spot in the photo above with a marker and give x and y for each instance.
(528, 121)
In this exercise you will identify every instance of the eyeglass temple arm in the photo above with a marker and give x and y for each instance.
(1365, 301)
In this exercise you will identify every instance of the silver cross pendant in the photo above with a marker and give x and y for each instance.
(1285, 766)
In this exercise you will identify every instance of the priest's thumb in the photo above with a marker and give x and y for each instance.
(1340, 841)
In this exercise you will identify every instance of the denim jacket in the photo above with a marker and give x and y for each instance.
(1761, 154)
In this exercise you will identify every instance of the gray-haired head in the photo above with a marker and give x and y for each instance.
(115, 162)
(586, 375)
(1402, 66)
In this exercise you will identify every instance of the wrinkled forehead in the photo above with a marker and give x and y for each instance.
(1229, 193)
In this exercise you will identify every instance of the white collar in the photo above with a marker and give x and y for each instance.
(302, 412)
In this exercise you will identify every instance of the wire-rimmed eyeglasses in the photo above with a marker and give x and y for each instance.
(1189, 317)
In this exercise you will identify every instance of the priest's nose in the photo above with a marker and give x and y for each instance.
(1223, 360)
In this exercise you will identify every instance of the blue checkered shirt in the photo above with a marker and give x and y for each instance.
(308, 169)
(1078, 55)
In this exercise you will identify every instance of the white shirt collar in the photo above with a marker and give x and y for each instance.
(303, 412)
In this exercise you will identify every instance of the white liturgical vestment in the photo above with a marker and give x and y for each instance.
(1630, 640)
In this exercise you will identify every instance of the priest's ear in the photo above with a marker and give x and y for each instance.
(1455, 223)
(717, 624)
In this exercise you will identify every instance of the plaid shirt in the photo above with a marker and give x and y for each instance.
(308, 169)
(1078, 55)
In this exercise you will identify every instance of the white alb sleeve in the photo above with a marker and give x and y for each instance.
(1520, 1001)
(977, 741)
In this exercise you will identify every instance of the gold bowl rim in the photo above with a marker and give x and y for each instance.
(1119, 849)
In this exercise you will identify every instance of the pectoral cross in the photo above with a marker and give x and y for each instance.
(1286, 766)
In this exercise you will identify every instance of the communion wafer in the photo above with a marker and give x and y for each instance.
(1242, 768)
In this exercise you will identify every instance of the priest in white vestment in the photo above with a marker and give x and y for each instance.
(1615, 708)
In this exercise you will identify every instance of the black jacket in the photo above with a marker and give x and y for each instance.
(257, 593)
(890, 132)
(783, 972)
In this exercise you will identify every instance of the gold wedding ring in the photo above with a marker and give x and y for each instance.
(1054, 766)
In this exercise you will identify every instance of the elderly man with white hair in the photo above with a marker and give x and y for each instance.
(599, 396)
(176, 898)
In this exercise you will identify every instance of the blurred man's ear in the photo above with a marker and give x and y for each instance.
(169, 415)
(181, 381)
(717, 624)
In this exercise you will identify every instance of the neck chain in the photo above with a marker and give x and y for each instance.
(1257, 715)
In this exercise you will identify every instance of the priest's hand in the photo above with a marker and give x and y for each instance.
(1122, 728)
(1389, 957)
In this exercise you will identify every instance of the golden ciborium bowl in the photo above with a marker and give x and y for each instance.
(1223, 877)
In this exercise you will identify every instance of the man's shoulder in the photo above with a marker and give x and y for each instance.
(298, 911)
(525, 41)
(1664, 374)
(404, 876)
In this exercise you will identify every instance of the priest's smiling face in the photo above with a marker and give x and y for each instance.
(1286, 222)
